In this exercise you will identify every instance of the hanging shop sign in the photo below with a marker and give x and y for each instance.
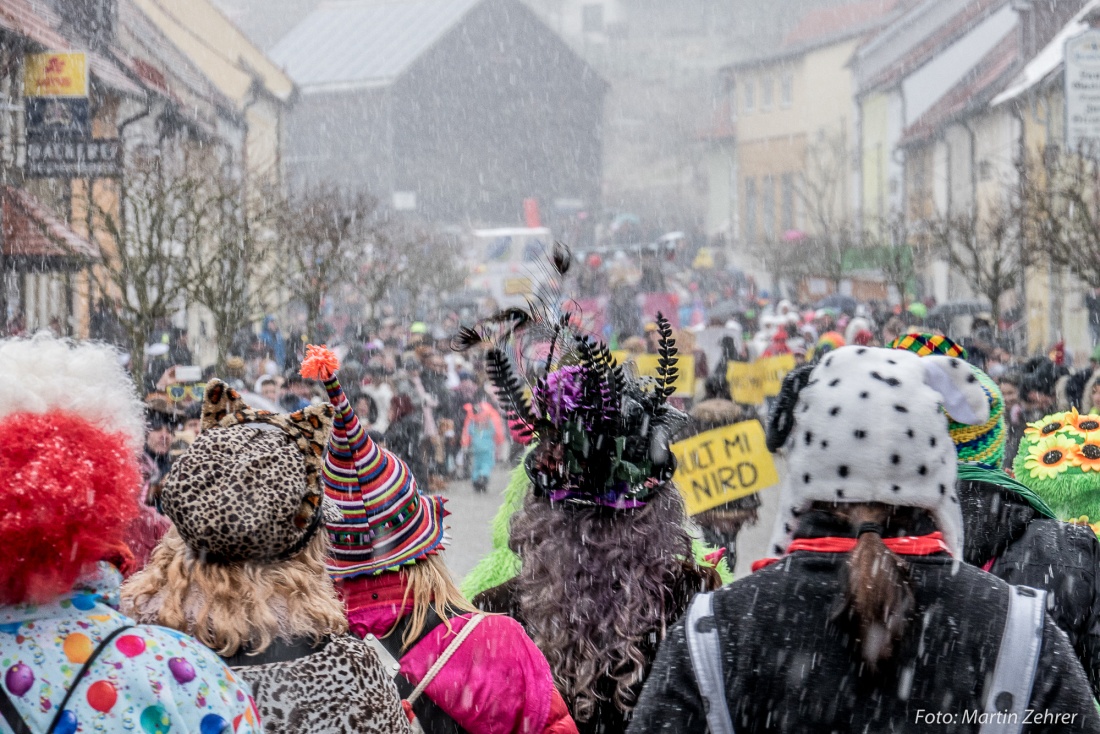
(1082, 93)
(73, 158)
(58, 121)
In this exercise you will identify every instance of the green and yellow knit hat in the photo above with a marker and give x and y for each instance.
(984, 444)
(1059, 459)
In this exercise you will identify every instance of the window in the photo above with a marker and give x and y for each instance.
(766, 94)
(732, 97)
(786, 89)
(786, 195)
(592, 18)
(750, 96)
(767, 201)
(750, 209)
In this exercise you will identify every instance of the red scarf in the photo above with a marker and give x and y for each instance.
(908, 545)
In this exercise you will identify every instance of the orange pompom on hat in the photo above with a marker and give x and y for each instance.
(385, 523)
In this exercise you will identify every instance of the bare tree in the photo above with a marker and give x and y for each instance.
(1060, 201)
(434, 268)
(984, 249)
(820, 191)
(233, 272)
(152, 231)
(895, 251)
(784, 260)
(324, 236)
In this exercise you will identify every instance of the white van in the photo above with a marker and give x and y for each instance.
(508, 263)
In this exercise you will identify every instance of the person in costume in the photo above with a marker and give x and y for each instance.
(386, 562)
(605, 558)
(721, 525)
(243, 570)
(868, 621)
(71, 434)
(1010, 530)
(482, 436)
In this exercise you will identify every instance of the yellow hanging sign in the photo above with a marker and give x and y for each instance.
(725, 464)
(55, 75)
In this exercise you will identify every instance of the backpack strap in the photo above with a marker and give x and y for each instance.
(432, 719)
(83, 672)
(11, 715)
(705, 649)
(1009, 690)
(445, 657)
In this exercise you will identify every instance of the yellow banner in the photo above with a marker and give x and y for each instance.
(647, 367)
(773, 370)
(718, 466)
(746, 383)
(55, 75)
(751, 382)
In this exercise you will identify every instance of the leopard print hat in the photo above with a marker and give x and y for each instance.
(249, 488)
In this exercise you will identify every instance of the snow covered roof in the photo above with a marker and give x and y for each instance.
(360, 44)
(972, 91)
(1048, 61)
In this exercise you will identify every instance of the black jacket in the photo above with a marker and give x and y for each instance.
(1032, 550)
(789, 669)
(608, 718)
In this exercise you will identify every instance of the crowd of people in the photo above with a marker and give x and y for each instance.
(262, 547)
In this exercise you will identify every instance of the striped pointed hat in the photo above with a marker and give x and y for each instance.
(385, 523)
(983, 444)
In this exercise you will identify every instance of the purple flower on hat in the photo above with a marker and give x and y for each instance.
(561, 396)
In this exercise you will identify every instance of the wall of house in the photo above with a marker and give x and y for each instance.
(775, 130)
(1055, 298)
(498, 111)
(878, 182)
(262, 140)
(722, 177)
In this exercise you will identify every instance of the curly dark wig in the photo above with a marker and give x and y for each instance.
(598, 589)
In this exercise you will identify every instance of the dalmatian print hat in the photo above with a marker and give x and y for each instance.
(868, 425)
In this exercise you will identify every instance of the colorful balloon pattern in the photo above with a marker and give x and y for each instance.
(148, 679)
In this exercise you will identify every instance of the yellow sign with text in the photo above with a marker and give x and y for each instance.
(55, 75)
(718, 466)
(751, 382)
(773, 370)
(646, 365)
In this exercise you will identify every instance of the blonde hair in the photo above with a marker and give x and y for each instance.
(429, 583)
(232, 606)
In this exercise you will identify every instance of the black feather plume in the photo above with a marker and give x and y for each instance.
(562, 258)
(509, 388)
(516, 316)
(465, 339)
(666, 349)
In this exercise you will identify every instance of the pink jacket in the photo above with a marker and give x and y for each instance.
(497, 682)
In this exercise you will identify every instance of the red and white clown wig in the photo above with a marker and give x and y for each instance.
(71, 429)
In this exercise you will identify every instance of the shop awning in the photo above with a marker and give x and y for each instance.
(31, 233)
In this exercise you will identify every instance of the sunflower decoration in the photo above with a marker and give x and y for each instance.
(1047, 426)
(1050, 456)
(1087, 457)
(1086, 424)
(1059, 460)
